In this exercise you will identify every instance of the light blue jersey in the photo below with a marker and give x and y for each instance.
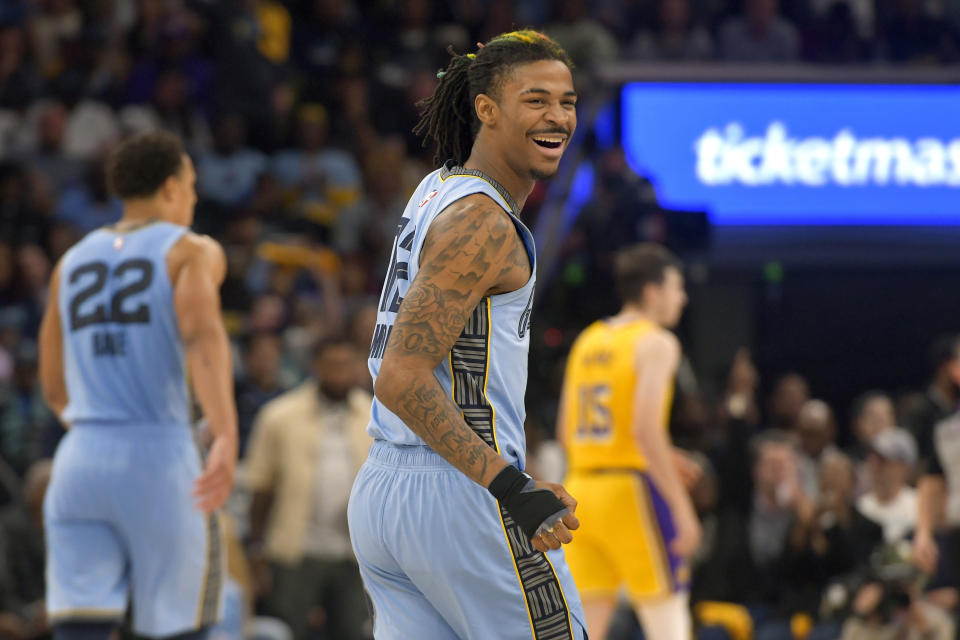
(122, 354)
(121, 527)
(411, 511)
(486, 372)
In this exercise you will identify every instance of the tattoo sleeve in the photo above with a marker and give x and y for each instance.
(470, 251)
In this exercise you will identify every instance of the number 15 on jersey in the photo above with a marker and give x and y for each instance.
(594, 418)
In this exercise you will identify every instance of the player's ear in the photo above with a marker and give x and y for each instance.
(487, 109)
(168, 190)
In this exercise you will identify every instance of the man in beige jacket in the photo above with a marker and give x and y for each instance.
(306, 447)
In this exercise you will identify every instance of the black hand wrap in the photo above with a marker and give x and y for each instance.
(530, 508)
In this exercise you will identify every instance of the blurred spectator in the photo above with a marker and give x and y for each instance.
(25, 420)
(829, 539)
(326, 41)
(306, 449)
(862, 14)
(759, 35)
(892, 502)
(836, 37)
(54, 22)
(371, 224)
(235, 33)
(872, 413)
(228, 174)
(914, 35)
(790, 393)
(585, 39)
(33, 271)
(22, 615)
(88, 205)
(322, 180)
(755, 546)
(19, 78)
(362, 323)
(937, 537)
(260, 382)
(676, 36)
(778, 496)
(275, 29)
(816, 434)
(20, 220)
(891, 608)
(172, 109)
(46, 149)
(167, 40)
(355, 126)
(9, 286)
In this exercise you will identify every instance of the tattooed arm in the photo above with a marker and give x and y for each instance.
(472, 250)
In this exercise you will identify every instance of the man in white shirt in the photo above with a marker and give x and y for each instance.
(891, 501)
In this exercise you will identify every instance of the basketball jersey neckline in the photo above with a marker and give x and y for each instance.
(451, 168)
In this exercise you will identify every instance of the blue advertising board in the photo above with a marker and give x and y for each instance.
(762, 154)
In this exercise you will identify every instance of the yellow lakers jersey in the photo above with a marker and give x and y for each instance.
(600, 382)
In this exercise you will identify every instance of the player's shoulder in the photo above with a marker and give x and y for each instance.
(199, 243)
(659, 343)
(193, 246)
(472, 212)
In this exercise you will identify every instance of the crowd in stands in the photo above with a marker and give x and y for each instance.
(298, 115)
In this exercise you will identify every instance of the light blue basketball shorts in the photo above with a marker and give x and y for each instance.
(120, 524)
(440, 560)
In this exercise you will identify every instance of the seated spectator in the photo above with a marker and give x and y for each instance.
(259, 383)
(322, 179)
(760, 35)
(89, 205)
(676, 37)
(891, 502)
(43, 141)
(306, 448)
(227, 175)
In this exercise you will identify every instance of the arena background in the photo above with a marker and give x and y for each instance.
(298, 115)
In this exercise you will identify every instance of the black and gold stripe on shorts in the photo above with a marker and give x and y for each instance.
(215, 572)
(213, 577)
(469, 367)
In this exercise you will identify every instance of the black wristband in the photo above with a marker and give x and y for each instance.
(529, 507)
(509, 482)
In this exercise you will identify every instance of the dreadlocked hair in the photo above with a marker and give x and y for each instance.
(448, 118)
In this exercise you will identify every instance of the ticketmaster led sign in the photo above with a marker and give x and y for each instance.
(799, 153)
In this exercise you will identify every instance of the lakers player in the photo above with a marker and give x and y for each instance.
(130, 515)
(638, 523)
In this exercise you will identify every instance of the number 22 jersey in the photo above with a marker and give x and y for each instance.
(122, 352)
